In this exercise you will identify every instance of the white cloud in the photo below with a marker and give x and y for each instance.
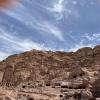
(18, 44)
(62, 9)
(80, 45)
(13, 44)
(3, 55)
(50, 28)
(95, 36)
(33, 22)
(58, 7)
(86, 37)
(76, 47)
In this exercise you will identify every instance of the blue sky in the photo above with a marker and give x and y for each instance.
(64, 25)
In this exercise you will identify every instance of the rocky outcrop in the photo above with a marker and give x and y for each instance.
(66, 74)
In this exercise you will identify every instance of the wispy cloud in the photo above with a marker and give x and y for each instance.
(3, 55)
(18, 44)
(80, 45)
(58, 9)
(12, 44)
(47, 27)
(92, 37)
(62, 9)
(34, 22)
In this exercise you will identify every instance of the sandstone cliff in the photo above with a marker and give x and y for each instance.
(70, 72)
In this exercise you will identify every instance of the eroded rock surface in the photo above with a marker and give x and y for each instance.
(47, 75)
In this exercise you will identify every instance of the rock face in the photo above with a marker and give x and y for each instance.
(54, 75)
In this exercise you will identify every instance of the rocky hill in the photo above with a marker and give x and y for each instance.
(54, 75)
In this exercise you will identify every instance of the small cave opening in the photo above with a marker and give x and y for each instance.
(23, 86)
(6, 84)
(60, 95)
(29, 83)
(48, 84)
(70, 87)
(64, 86)
(53, 87)
(80, 87)
(81, 75)
(74, 76)
(30, 98)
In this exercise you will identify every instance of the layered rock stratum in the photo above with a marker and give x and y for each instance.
(48, 75)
